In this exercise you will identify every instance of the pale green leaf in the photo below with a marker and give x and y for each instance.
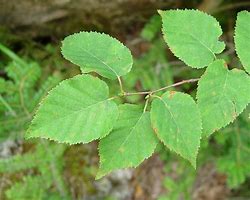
(222, 95)
(192, 36)
(97, 52)
(76, 111)
(131, 141)
(176, 121)
(242, 38)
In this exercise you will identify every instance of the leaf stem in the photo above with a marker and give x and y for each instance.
(146, 104)
(120, 84)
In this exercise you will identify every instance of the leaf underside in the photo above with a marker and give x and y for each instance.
(222, 95)
(131, 141)
(97, 52)
(176, 121)
(242, 38)
(192, 36)
(76, 111)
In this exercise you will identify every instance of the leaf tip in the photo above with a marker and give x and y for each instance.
(160, 11)
(100, 174)
(193, 163)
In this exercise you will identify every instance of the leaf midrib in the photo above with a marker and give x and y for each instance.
(74, 112)
(110, 68)
(178, 129)
(196, 39)
(127, 137)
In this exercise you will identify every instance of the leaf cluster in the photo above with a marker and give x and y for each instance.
(81, 110)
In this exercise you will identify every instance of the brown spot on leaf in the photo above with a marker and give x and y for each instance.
(121, 149)
(234, 115)
(215, 130)
(225, 65)
(155, 130)
(171, 94)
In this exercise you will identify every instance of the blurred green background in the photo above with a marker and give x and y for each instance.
(31, 64)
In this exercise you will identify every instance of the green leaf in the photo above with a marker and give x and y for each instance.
(97, 52)
(76, 111)
(242, 38)
(222, 95)
(131, 141)
(176, 121)
(192, 36)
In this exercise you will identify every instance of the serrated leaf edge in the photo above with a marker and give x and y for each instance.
(27, 136)
(232, 70)
(235, 38)
(171, 149)
(196, 10)
(99, 176)
(105, 35)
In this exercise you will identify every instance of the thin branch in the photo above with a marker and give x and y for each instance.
(120, 84)
(160, 89)
(231, 6)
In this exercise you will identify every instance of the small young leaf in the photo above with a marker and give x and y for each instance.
(192, 36)
(76, 111)
(97, 52)
(176, 121)
(242, 38)
(131, 141)
(222, 95)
